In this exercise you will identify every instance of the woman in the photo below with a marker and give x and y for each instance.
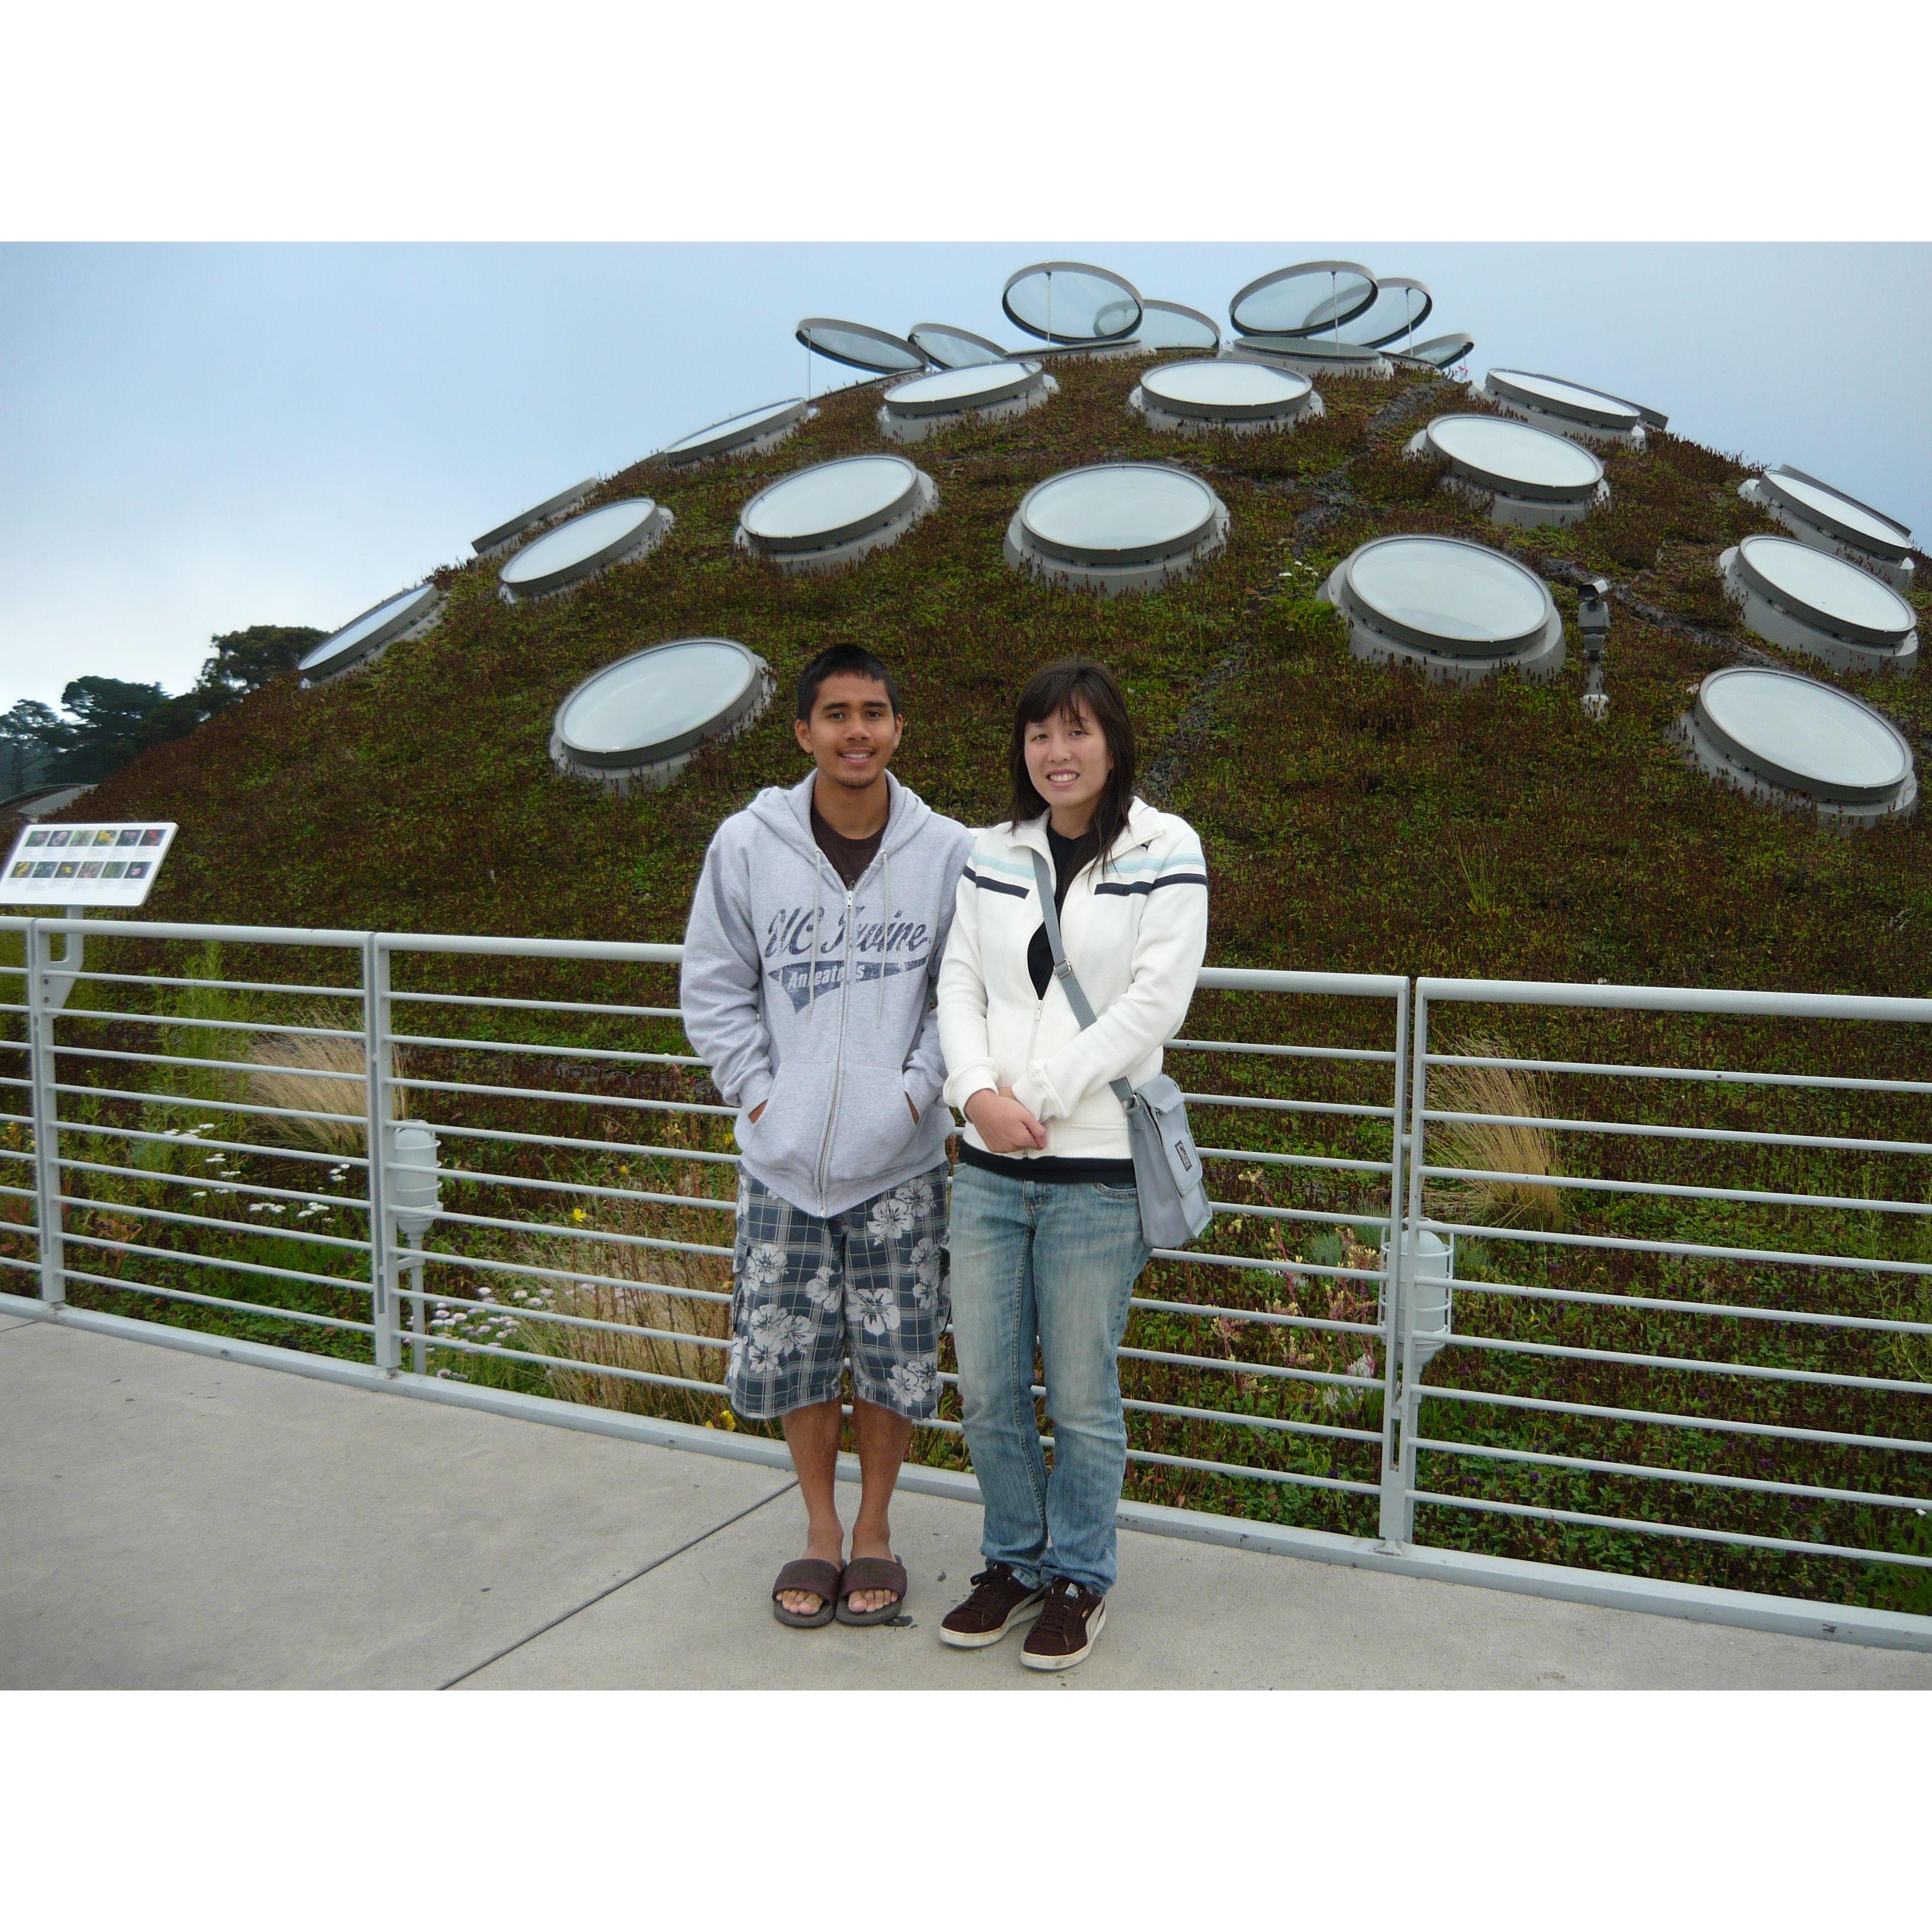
(1045, 1238)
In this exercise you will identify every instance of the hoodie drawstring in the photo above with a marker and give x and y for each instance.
(885, 923)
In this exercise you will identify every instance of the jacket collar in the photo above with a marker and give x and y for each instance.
(1139, 829)
(787, 810)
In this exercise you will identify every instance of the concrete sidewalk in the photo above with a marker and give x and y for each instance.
(168, 1520)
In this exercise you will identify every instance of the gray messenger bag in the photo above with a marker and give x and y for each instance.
(1167, 1167)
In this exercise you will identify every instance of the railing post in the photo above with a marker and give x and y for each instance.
(42, 1015)
(382, 1270)
(1391, 1525)
(1398, 1508)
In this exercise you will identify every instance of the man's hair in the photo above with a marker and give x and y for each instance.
(850, 658)
(1060, 690)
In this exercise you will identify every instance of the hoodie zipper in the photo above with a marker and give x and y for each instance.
(838, 1055)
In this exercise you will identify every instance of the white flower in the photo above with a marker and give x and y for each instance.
(776, 1333)
(821, 1291)
(1363, 1367)
(912, 1381)
(890, 1217)
(916, 1193)
(929, 1261)
(764, 1263)
(875, 1309)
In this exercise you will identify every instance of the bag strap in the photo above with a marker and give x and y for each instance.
(1063, 966)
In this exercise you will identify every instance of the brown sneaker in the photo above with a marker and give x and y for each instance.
(1070, 1621)
(999, 1601)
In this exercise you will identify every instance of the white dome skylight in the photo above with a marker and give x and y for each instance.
(1247, 397)
(640, 721)
(750, 433)
(1401, 306)
(1791, 740)
(1116, 526)
(1302, 299)
(1460, 610)
(1443, 352)
(1166, 325)
(1567, 409)
(1827, 519)
(1071, 303)
(576, 551)
(859, 346)
(409, 613)
(1312, 355)
(1810, 600)
(493, 543)
(1522, 476)
(835, 513)
(986, 392)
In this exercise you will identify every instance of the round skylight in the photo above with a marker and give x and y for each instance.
(363, 639)
(1315, 356)
(1442, 352)
(1460, 609)
(1298, 301)
(834, 513)
(1400, 308)
(1813, 601)
(1827, 519)
(947, 347)
(1166, 325)
(1567, 408)
(1071, 302)
(987, 392)
(1794, 740)
(750, 432)
(1525, 476)
(859, 346)
(1116, 526)
(1245, 396)
(580, 548)
(641, 720)
(491, 541)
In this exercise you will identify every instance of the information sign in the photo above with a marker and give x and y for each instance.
(85, 865)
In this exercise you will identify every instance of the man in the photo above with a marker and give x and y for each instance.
(810, 958)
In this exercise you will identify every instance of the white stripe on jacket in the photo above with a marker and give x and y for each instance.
(1135, 930)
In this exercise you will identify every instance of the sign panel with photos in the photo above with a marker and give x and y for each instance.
(85, 865)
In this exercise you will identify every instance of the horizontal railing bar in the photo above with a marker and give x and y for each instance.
(217, 985)
(1280, 1052)
(596, 1007)
(415, 1086)
(489, 1264)
(160, 1100)
(27, 1264)
(1248, 1472)
(1343, 986)
(1257, 1102)
(1735, 1311)
(183, 1137)
(1335, 1162)
(236, 935)
(1672, 1419)
(1254, 1212)
(19, 1194)
(184, 1220)
(593, 1147)
(1796, 1545)
(713, 1202)
(1209, 1311)
(222, 1301)
(1729, 1136)
(544, 1051)
(1661, 1473)
(1693, 1250)
(1723, 1076)
(521, 1311)
(189, 1258)
(211, 1184)
(1273, 1423)
(1750, 1196)
(187, 1022)
(1259, 1264)
(585, 1234)
(1673, 1000)
(1361, 1384)
(196, 1061)
(1684, 1364)
(468, 1347)
(630, 952)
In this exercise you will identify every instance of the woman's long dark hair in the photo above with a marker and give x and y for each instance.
(1061, 690)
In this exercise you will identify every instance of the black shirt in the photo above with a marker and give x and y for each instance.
(1070, 855)
(850, 856)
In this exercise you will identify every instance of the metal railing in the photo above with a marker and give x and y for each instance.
(1299, 1379)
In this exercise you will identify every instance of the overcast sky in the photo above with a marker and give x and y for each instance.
(195, 438)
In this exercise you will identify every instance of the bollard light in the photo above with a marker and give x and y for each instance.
(414, 1197)
(1431, 1310)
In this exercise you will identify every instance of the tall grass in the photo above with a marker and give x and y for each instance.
(313, 1075)
(1503, 1148)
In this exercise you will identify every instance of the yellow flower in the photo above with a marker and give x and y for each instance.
(576, 1214)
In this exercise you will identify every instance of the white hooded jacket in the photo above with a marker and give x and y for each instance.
(1135, 930)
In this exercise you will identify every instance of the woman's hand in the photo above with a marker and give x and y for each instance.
(1006, 1126)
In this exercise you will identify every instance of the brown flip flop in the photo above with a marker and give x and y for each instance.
(822, 1579)
(872, 1573)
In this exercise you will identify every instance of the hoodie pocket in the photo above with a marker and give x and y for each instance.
(874, 1130)
(787, 1135)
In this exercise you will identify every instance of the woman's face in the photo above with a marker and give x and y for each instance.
(1068, 762)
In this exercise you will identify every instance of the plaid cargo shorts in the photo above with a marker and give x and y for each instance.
(870, 1281)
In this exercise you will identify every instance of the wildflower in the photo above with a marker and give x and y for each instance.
(256, 1207)
(1363, 1367)
(215, 1160)
(199, 1194)
(576, 1214)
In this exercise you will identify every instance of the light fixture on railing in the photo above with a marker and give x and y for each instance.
(1593, 619)
(414, 1200)
(1431, 1297)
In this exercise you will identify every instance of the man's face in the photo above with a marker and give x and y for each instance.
(852, 733)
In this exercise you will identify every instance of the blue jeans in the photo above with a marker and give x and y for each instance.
(1050, 1263)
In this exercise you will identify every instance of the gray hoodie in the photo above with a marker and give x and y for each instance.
(817, 1001)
